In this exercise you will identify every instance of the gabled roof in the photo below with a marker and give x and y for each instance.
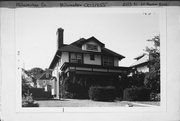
(142, 60)
(55, 59)
(81, 41)
(76, 47)
(106, 51)
(71, 48)
(140, 56)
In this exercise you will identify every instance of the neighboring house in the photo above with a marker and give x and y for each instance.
(44, 81)
(141, 64)
(82, 59)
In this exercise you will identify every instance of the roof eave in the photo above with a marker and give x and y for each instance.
(55, 59)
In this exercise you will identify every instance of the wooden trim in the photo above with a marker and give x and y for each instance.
(82, 58)
(113, 61)
(101, 60)
(69, 54)
(65, 65)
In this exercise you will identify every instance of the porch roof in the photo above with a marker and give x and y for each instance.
(66, 64)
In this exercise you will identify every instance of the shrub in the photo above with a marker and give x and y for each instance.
(119, 93)
(155, 96)
(102, 93)
(136, 94)
(75, 95)
(27, 101)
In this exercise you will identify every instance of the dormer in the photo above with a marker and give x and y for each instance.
(90, 44)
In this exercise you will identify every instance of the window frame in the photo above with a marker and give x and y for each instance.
(76, 59)
(92, 47)
(107, 61)
(92, 56)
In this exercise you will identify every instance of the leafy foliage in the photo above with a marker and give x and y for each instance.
(27, 101)
(136, 94)
(152, 79)
(99, 93)
(35, 72)
(137, 80)
(26, 85)
(155, 96)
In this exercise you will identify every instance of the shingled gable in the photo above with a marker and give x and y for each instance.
(81, 41)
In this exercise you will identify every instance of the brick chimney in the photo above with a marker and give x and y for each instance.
(59, 38)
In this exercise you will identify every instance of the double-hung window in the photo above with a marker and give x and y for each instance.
(76, 58)
(108, 61)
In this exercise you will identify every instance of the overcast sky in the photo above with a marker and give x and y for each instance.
(122, 32)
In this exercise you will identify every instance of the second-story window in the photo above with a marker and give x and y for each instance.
(108, 61)
(92, 57)
(92, 47)
(75, 58)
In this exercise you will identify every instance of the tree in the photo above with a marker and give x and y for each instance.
(152, 79)
(26, 84)
(35, 72)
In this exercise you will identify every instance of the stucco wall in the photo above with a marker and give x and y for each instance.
(64, 58)
(116, 62)
(96, 61)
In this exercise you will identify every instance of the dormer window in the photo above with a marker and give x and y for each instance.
(92, 47)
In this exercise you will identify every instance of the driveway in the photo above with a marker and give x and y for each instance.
(90, 103)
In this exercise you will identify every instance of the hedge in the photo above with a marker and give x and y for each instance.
(136, 94)
(75, 95)
(102, 93)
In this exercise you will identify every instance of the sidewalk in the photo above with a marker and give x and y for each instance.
(90, 103)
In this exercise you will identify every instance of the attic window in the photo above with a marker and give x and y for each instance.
(92, 47)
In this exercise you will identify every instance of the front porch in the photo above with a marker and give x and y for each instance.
(76, 79)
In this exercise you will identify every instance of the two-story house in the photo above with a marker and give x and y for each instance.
(85, 61)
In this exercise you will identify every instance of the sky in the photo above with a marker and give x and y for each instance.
(121, 31)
